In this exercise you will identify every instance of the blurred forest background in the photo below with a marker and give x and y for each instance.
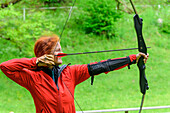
(93, 25)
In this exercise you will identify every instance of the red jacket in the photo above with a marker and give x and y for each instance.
(47, 98)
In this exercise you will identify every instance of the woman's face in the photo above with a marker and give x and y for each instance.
(57, 60)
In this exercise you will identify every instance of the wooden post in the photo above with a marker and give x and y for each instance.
(126, 111)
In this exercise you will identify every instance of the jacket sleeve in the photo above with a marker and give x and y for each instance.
(19, 70)
(110, 65)
(80, 73)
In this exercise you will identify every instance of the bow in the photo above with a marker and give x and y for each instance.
(142, 48)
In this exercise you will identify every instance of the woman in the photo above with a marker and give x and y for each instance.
(52, 87)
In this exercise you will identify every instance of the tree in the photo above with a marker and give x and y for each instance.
(4, 5)
(125, 8)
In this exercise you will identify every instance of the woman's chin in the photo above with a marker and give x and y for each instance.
(58, 63)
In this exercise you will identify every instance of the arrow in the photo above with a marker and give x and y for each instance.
(65, 54)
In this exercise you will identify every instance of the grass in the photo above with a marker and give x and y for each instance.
(117, 89)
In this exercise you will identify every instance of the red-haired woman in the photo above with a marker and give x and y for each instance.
(52, 87)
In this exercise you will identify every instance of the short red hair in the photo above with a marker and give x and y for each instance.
(45, 45)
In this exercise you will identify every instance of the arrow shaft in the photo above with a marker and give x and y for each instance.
(98, 51)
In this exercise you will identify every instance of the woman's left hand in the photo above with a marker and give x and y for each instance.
(142, 54)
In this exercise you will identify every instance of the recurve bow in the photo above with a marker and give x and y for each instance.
(142, 48)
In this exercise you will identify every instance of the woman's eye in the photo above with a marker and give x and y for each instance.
(58, 50)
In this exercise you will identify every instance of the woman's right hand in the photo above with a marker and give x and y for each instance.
(45, 60)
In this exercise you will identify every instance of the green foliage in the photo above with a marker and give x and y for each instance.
(165, 27)
(23, 33)
(52, 1)
(55, 3)
(99, 17)
(49, 0)
(164, 20)
(16, 30)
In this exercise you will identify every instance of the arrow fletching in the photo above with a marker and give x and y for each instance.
(61, 55)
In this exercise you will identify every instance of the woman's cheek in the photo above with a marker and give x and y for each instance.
(60, 60)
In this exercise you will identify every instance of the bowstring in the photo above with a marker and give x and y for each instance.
(67, 18)
(65, 23)
(73, 97)
(56, 48)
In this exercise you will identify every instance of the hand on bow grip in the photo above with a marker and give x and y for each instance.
(145, 57)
